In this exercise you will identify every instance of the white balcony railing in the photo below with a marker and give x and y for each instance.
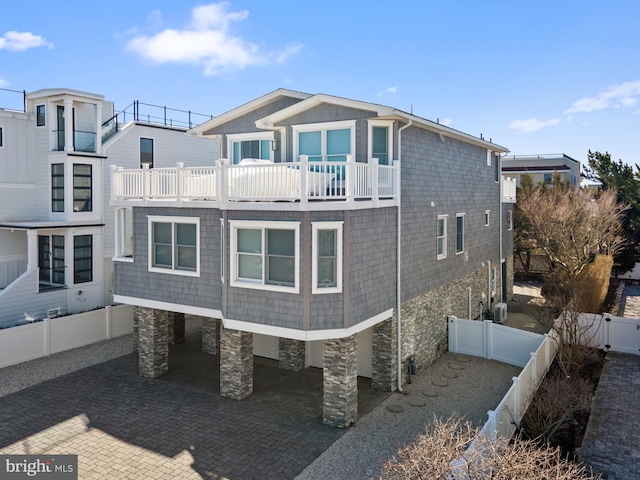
(258, 181)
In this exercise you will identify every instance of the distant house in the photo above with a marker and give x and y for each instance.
(542, 168)
(332, 233)
(56, 226)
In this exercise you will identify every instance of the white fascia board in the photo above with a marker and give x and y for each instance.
(59, 92)
(244, 109)
(168, 306)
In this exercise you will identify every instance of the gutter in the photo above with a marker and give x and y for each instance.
(399, 262)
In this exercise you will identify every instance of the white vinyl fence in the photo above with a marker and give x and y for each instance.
(53, 335)
(610, 333)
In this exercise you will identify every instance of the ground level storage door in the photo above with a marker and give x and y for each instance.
(365, 353)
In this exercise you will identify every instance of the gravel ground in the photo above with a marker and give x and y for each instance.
(361, 451)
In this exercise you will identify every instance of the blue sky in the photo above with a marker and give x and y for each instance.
(535, 77)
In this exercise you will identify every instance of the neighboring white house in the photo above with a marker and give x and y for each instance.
(542, 167)
(56, 225)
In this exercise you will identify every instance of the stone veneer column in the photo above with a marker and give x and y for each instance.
(385, 356)
(176, 327)
(292, 354)
(153, 343)
(210, 335)
(236, 363)
(340, 375)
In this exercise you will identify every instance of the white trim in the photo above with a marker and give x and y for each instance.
(45, 114)
(459, 215)
(489, 155)
(315, 227)
(168, 306)
(380, 123)
(234, 281)
(222, 242)
(151, 219)
(243, 137)
(443, 255)
(322, 127)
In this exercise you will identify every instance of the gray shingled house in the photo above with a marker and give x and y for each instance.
(325, 218)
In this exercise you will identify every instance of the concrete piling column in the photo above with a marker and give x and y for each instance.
(292, 354)
(211, 335)
(153, 344)
(236, 363)
(340, 375)
(176, 328)
(385, 359)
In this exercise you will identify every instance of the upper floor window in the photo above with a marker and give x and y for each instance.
(40, 116)
(494, 280)
(441, 237)
(82, 188)
(331, 141)
(326, 266)
(82, 258)
(459, 233)
(265, 255)
(380, 141)
(509, 219)
(174, 245)
(146, 151)
(1, 139)
(57, 187)
(250, 145)
(496, 167)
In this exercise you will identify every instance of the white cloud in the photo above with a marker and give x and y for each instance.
(3, 83)
(532, 124)
(20, 41)
(391, 90)
(446, 121)
(616, 96)
(206, 42)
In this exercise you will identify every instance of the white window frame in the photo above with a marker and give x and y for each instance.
(153, 151)
(234, 281)
(122, 216)
(459, 215)
(323, 127)
(509, 219)
(440, 256)
(489, 155)
(380, 123)
(315, 228)
(486, 217)
(151, 219)
(244, 137)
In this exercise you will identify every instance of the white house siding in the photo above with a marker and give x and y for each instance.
(16, 155)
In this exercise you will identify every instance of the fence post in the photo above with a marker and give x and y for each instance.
(304, 170)
(488, 339)
(453, 334)
(108, 320)
(493, 424)
(516, 412)
(46, 335)
(375, 193)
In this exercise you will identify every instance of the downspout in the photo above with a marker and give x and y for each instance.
(502, 279)
(399, 262)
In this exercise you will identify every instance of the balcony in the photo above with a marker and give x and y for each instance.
(82, 141)
(311, 185)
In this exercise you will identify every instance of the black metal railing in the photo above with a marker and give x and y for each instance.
(13, 99)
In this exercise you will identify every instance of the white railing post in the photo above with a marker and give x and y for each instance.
(304, 171)
(453, 334)
(222, 179)
(146, 181)
(179, 178)
(492, 421)
(516, 412)
(375, 193)
(350, 180)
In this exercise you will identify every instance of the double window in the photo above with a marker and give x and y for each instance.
(265, 255)
(459, 233)
(82, 258)
(326, 268)
(174, 245)
(82, 186)
(249, 145)
(325, 141)
(441, 237)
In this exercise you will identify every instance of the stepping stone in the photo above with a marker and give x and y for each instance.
(430, 392)
(456, 366)
(450, 375)
(395, 408)
(438, 382)
(463, 359)
(417, 402)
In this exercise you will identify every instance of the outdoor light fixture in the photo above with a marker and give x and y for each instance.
(274, 145)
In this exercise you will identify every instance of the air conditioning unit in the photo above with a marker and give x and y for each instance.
(53, 312)
(500, 313)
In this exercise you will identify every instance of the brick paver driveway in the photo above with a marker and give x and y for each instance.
(177, 426)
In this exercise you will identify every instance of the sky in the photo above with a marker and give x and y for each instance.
(536, 77)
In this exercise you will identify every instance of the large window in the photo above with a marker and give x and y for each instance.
(325, 141)
(174, 245)
(146, 152)
(460, 233)
(82, 186)
(82, 258)
(40, 116)
(57, 187)
(326, 254)
(265, 255)
(441, 237)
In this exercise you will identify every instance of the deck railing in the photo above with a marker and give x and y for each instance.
(259, 181)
